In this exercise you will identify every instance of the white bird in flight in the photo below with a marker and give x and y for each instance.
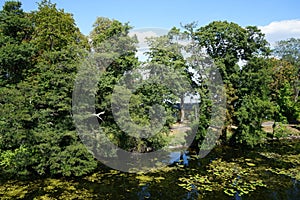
(98, 115)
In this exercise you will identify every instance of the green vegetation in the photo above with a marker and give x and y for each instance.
(40, 55)
(223, 173)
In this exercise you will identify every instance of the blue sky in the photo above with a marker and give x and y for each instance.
(169, 13)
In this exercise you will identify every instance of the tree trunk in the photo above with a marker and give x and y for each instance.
(223, 137)
(181, 108)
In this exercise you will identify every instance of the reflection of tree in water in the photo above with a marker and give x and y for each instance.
(180, 158)
(144, 192)
(183, 158)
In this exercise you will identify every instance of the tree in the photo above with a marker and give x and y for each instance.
(255, 102)
(227, 43)
(61, 47)
(16, 59)
(284, 90)
(265, 93)
(289, 51)
(114, 56)
(54, 29)
(41, 138)
(166, 52)
(16, 53)
(187, 71)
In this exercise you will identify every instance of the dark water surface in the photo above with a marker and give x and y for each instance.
(276, 164)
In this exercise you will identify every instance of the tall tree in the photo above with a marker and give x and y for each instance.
(167, 52)
(54, 28)
(16, 53)
(255, 102)
(177, 56)
(46, 141)
(285, 90)
(114, 54)
(289, 51)
(228, 43)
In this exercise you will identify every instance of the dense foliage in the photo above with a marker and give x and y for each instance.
(41, 51)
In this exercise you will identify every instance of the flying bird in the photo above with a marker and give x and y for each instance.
(98, 115)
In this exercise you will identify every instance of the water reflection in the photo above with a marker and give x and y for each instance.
(180, 157)
(144, 192)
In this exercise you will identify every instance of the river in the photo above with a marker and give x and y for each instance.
(276, 164)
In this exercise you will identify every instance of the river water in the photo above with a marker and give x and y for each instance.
(276, 164)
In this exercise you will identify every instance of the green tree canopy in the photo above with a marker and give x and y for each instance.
(289, 50)
(37, 131)
(228, 43)
(16, 53)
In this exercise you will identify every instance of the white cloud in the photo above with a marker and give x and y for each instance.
(281, 30)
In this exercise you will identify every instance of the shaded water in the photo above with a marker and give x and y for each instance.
(277, 164)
